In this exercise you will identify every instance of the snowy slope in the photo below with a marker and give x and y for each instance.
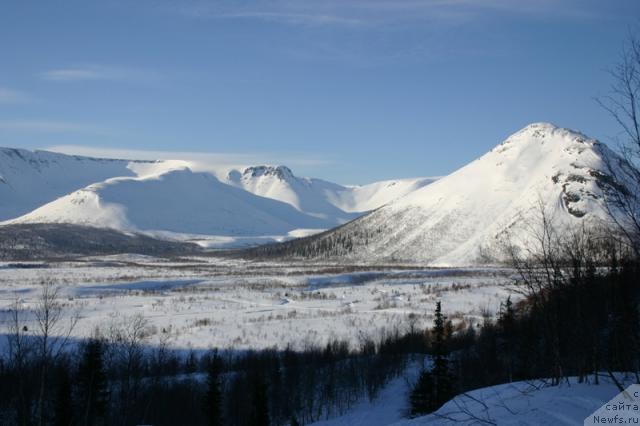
(389, 406)
(520, 403)
(459, 219)
(319, 197)
(177, 196)
(524, 403)
(178, 201)
(451, 220)
(370, 197)
(307, 195)
(29, 179)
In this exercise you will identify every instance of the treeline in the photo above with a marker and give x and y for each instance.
(115, 379)
(580, 317)
(61, 240)
(332, 244)
(584, 327)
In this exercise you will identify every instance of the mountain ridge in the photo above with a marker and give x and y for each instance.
(256, 201)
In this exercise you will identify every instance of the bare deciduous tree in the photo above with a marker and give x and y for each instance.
(18, 350)
(127, 338)
(54, 327)
(622, 186)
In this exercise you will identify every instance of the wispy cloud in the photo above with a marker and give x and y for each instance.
(288, 17)
(367, 33)
(10, 96)
(204, 159)
(98, 72)
(372, 12)
(48, 126)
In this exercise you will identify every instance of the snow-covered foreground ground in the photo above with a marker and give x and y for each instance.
(520, 403)
(206, 302)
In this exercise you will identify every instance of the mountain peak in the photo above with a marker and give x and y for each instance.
(281, 172)
(542, 130)
(545, 134)
(540, 126)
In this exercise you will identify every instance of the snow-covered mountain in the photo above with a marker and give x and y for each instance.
(318, 197)
(460, 219)
(176, 196)
(178, 201)
(457, 220)
(29, 179)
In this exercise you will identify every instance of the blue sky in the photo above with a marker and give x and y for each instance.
(348, 90)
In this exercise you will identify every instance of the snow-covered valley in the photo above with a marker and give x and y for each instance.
(205, 303)
(194, 304)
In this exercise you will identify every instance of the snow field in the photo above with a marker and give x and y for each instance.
(205, 303)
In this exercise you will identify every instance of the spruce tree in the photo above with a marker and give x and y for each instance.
(506, 323)
(92, 383)
(434, 387)
(442, 378)
(213, 398)
(421, 397)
